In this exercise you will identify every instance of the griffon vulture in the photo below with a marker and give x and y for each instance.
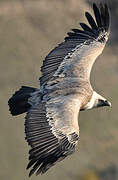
(51, 122)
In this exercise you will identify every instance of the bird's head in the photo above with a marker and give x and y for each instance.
(97, 101)
(101, 101)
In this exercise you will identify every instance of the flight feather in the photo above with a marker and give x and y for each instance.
(80, 48)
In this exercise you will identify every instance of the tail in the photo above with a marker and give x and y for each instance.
(18, 103)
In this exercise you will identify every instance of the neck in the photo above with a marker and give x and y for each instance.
(91, 103)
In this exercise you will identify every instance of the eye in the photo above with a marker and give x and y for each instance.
(100, 101)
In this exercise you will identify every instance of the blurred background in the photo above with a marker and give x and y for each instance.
(29, 29)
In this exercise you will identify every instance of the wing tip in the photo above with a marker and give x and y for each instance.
(97, 30)
(99, 24)
(104, 13)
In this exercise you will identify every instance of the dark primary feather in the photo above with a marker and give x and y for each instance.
(97, 15)
(46, 148)
(86, 27)
(96, 30)
(91, 21)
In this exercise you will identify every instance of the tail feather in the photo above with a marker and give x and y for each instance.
(18, 103)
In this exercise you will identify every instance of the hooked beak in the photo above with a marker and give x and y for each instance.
(107, 103)
(102, 103)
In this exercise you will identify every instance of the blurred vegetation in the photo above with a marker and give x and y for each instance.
(29, 30)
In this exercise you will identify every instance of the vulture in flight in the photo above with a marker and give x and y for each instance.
(51, 122)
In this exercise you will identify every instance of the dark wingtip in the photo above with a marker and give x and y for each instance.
(104, 13)
(102, 17)
(99, 24)
(94, 5)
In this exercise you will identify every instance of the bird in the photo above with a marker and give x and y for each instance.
(52, 111)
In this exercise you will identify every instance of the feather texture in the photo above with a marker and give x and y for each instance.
(48, 146)
(51, 122)
(97, 32)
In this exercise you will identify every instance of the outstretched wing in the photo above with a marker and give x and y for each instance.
(52, 132)
(76, 55)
